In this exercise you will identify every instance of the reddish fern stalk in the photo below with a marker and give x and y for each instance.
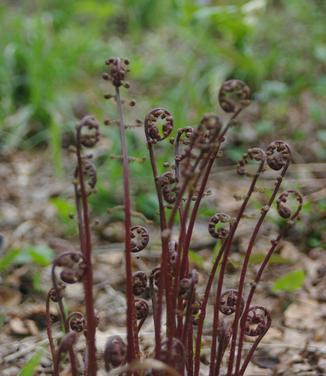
(172, 285)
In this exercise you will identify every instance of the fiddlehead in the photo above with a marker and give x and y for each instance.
(142, 310)
(158, 125)
(115, 352)
(256, 154)
(219, 226)
(76, 322)
(278, 155)
(285, 211)
(139, 283)
(139, 238)
(257, 321)
(234, 95)
(228, 302)
(168, 183)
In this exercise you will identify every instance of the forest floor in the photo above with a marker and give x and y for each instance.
(294, 345)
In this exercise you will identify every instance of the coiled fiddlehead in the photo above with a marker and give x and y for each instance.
(228, 302)
(74, 266)
(88, 131)
(115, 352)
(158, 125)
(256, 154)
(183, 137)
(139, 238)
(154, 277)
(89, 172)
(216, 226)
(139, 283)
(285, 211)
(142, 310)
(278, 155)
(174, 353)
(73, 270)
(169, 187)
(257, 321)
(76, 322)
(234, 95)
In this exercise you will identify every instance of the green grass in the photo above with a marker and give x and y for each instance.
(53, 52)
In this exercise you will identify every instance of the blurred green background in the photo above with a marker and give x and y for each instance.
(53, 52)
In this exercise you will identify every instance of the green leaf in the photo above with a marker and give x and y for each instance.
(196, 259)
(264, 127)
(66, 212)
(8, 259)
(37, 282)
(235, 153)
(31, 365)
(41, 254)
(290, 282)
(37, 254)
(257, 258)
(64, 207)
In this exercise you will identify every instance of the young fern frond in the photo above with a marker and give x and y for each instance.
(171, 288)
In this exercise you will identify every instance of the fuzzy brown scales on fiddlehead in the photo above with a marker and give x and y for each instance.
(154, 278)
(256, 154)
(183, 138)
(211, 123)
(228, 302)
(285, 211)
(139, 238)
(66, 345)
(207, 131)
(278, 155)
(158, 125)
(187, 283)
(139, 283)
(74, 267)
(184, 287)
(168, 183)
(216, 226)
(142, 309)
(56, 294)
(88, 131)
(223, 335)
(89, 171)
(115, 352)
(204, 141)
(76, 322)
(173, 246)
(67, 342)
(234, 95)
(117, 71)
(203, 138)
(195, 309)
(174, 354)
(258, 321)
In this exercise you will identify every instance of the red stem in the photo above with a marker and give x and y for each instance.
(202, 314)
(91, 364)
(49, 329)
(132, 337)
(245, 267)
(223, 268)
(269, 254)
(163, 281)
(74, 370)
